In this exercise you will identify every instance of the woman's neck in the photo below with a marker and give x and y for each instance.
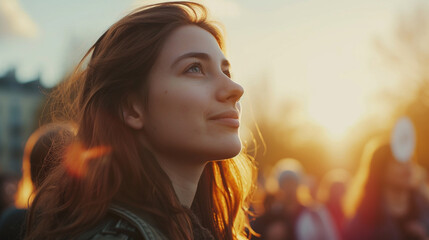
(184, 176)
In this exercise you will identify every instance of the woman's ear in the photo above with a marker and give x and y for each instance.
(133, 112)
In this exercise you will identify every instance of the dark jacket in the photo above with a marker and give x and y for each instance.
(123, 224)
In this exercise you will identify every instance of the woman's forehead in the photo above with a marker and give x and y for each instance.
(190, 39)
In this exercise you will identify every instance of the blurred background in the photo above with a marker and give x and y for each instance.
(322, 77)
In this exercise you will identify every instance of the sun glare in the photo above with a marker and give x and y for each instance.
(335, 97)
(327, 71)
(335, 109)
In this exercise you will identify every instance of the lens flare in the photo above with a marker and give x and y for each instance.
(77, 158)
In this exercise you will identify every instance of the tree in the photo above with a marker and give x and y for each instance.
(407, 54)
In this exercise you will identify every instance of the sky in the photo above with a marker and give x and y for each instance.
(317, 52)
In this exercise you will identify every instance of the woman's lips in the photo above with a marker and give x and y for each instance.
(230, 122)
(227, 118)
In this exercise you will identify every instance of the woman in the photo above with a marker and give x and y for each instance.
(382, 202)
(156, 109)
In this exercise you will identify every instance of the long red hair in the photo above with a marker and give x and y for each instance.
(106, 164)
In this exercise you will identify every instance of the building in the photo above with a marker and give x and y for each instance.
(19, 107)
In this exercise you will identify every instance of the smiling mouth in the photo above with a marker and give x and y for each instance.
(229, 122)
(227, 118)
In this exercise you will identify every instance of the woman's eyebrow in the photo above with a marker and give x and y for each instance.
(199, 55)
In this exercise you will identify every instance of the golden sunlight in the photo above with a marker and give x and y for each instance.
(336, 94)
(331, 77)
(335, 109)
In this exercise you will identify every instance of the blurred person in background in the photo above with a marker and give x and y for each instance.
(331, 194)
(157, 153)
(272, 224)
(382, 202)
(305, 219)
(420, 180)
(42, 151)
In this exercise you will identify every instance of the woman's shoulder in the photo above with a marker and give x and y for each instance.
(123, 224)
(111, 228)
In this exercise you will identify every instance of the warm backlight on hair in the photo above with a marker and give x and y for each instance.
(25, 187)
(77, 157)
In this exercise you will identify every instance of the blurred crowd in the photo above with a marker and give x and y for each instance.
(385, 199)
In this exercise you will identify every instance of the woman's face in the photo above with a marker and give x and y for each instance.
(193, 110)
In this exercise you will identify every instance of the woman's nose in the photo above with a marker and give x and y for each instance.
(230, 91)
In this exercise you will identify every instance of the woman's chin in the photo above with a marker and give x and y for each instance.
(229, 151)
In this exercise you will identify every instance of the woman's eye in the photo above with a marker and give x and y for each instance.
(195, 68)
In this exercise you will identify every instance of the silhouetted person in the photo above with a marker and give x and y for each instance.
(382, 202)
(41, 154)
